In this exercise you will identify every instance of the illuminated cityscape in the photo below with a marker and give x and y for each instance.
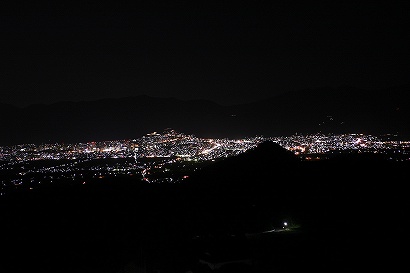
(165, 157)
(204, 137)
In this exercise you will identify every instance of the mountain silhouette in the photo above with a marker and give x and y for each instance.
(246, 171)
(327, 110)
(273, 178)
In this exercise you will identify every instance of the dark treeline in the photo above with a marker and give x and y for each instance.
(351, 215)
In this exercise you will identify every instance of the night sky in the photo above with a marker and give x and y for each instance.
(225, 51)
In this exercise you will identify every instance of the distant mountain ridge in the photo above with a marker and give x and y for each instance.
(327, 110)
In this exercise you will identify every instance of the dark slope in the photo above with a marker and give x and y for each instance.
(359, 185)
(344, 207)
(352, 216)
(97, 227)
(262, 167)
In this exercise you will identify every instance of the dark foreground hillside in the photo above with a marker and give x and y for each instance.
(343, 215)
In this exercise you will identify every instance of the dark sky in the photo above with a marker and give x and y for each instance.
(225, 51)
